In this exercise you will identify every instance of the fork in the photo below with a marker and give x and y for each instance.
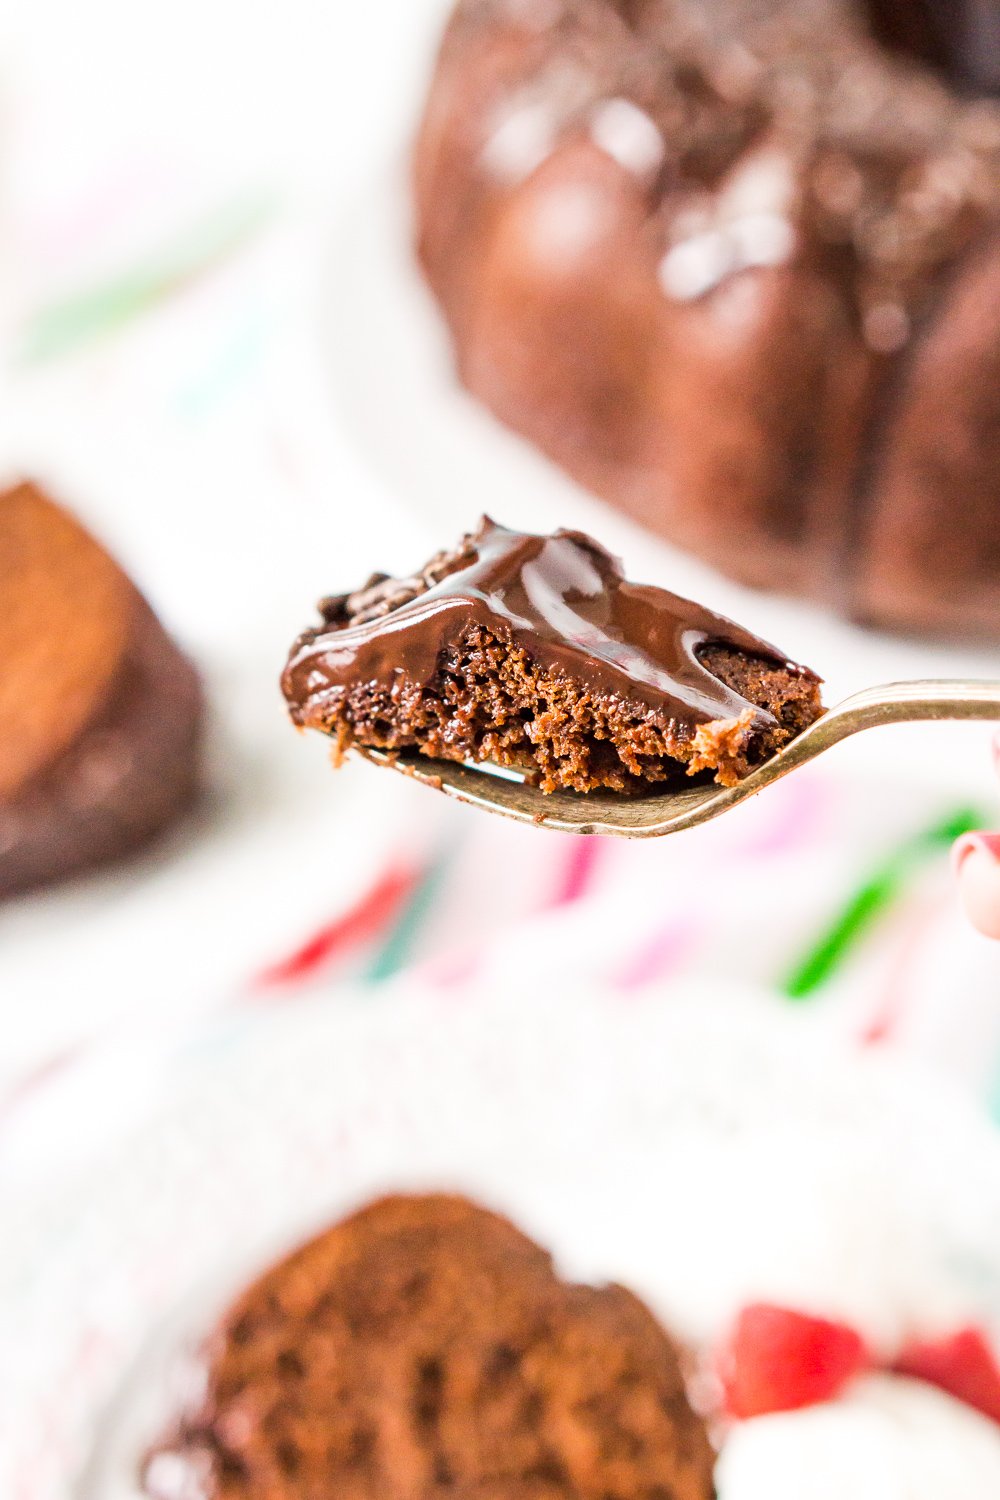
(656, 813)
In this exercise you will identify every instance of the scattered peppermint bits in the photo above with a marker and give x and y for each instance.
(697, 265)
(626, 133)
(520, 142)
(746, 225)
(763, 239)
(762, 185)
(366, 920)
(780, 1360)
(527, 125)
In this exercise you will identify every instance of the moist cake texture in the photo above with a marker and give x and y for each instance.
(535, 653)
(422, 1348)
(100, 713)
(735, 265)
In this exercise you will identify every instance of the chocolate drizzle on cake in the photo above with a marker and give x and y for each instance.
(490, 639)
(425, 1348)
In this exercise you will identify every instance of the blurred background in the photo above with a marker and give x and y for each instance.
(218, 352)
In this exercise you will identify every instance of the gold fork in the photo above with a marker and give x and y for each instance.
(658, 813)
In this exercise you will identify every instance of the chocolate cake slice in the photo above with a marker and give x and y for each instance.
(100, 713)
(425, 1347)
(535, 653)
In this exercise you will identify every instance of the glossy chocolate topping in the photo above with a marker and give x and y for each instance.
(562, 597)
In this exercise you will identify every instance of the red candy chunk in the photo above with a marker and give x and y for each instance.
(779, 1360)
(964, 1365)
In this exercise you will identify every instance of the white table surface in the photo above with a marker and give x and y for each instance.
(278, 427)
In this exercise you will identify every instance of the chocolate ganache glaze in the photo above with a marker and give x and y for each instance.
(563, 598)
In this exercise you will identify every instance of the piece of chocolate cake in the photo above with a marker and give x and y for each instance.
(425, 1347)
(535, 653)
(99, 711)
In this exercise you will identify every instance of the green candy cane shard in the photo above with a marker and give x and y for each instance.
(101, 309)
(872, 898)
(398, 946)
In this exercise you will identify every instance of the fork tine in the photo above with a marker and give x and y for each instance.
(566, 812)
(659, 813)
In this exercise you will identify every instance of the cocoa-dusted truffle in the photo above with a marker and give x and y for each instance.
(100, 713)
(422, 1348)
(535, 653)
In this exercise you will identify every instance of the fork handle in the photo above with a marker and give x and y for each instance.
(909, 702)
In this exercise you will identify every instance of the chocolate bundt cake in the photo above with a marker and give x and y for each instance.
(535, 653)
(99, 711)
(735, 264)
(423, 1348)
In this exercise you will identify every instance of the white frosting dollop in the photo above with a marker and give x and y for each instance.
(885, 1439)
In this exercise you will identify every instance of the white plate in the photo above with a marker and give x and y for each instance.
(704, 1147)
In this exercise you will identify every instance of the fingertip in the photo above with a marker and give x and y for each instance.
(960, 851)
(976, 860)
